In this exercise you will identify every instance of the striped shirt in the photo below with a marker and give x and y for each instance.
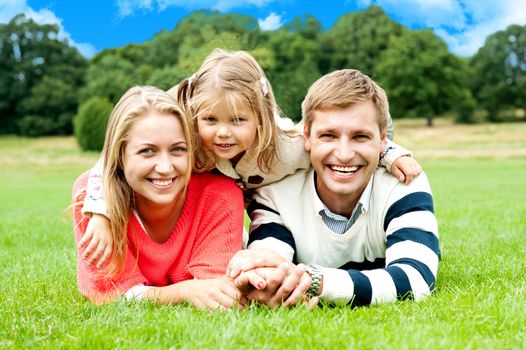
(389, 252)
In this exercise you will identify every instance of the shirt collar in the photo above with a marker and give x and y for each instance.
(363, 202)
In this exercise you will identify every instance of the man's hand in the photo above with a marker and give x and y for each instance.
(285, 285)
(249, 259)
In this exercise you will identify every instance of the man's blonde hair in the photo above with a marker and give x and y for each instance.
(134, 105)
(340, 89)
(240, 80)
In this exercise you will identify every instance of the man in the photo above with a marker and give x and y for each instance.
(365, 237)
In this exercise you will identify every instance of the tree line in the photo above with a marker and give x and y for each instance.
(45, 84)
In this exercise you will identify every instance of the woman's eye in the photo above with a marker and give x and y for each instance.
(146, 151)
(179, 149)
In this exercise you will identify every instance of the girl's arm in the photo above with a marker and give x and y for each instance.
(98, 236)
(399, 162)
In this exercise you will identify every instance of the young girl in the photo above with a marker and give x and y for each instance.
(173, 232)
(240, 134)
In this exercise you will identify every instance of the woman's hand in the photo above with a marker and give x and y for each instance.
(214, 293)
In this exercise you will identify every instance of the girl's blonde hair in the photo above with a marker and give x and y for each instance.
(239, 77)
(135, 104)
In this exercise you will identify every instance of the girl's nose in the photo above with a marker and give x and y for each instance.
(223, 131)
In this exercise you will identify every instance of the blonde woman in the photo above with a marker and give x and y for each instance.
(173, 234)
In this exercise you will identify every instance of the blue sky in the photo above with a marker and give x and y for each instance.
(93, 25)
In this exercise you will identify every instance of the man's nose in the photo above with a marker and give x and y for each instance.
(345, 151)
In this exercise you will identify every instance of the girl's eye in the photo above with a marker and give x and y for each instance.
(210, 119)
(238, 120)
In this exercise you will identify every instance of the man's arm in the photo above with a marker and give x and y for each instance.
(412, 254)
(412, 250)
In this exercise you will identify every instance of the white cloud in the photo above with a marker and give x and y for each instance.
(128, 7)
(10, 8)
(463, 24)
(271, 22)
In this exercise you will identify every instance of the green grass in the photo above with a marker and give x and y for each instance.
(478, 303)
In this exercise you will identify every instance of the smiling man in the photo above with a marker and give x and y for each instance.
(365, 237)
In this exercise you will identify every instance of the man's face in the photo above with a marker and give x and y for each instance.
(345, 146)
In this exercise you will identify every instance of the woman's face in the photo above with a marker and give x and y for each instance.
(156, 159)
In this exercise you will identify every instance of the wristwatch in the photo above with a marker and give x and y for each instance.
(316, 273)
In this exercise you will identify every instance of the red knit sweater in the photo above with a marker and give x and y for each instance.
(207, 234)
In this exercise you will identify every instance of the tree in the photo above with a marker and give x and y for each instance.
(110, 77)
(499, 79)
(295, 68)
(32, 55)
(421, 77)
(357, 41)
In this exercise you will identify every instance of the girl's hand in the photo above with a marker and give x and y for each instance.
(214, 293)
(405, 169)
(98, 234)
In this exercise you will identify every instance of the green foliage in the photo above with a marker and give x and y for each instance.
(49, 108)
(166, 78)
(110, 77)
(36, 67)
(357, 40)
(421, 77)
(91, 121)
(499, 79)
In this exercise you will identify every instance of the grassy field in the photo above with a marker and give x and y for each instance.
(479, 182)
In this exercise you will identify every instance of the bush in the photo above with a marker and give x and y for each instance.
(37, 125)
(90, 123)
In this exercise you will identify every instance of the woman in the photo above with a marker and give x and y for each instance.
(173, 235)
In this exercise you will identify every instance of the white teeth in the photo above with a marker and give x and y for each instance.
(162, 182)
(345, 169)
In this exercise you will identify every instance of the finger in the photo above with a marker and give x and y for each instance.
(299, 294)
(276, 278)
(85, 238)
(91, 247)
(313, 303)
(398, 173)
(105, 255)
(289, 284)
(96, 253)
(248, 280)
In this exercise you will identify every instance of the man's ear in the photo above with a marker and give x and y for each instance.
(383, 138)
(306, 137)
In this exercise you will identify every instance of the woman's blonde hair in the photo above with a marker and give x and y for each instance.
(135, 104)
(239, 77)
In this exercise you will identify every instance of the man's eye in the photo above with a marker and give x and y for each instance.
(326, 136)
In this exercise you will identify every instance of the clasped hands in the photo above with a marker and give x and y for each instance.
(264, 276)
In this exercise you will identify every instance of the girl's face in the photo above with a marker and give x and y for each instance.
(227, 129)
(156, 159)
